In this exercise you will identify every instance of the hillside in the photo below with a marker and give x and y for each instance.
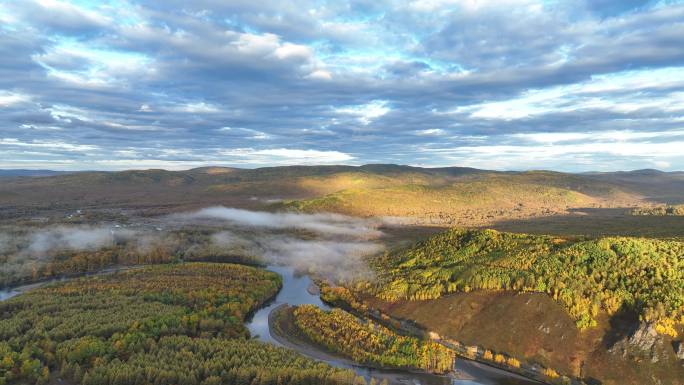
(660, 186)
(610, 308)
(28, 173)
(585, 276)
(432, 196)
(473, 200)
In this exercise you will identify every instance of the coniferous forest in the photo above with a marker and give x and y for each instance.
(367, 342)
(167, 324)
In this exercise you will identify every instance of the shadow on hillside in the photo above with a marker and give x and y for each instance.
(597, 222)
(622, 325)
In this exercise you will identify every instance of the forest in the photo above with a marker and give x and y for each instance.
(584, 275)
(677, 210)
(18, 266)
(370, 343)
(165, 324)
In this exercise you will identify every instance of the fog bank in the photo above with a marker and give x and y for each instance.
(331, 245)
(319, 223)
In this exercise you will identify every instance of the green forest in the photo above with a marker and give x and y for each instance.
(370, 343)
(166, 324)
(584, 275)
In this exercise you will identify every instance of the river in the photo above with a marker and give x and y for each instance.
(295, 291)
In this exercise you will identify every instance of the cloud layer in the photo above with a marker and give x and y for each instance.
(140, 84)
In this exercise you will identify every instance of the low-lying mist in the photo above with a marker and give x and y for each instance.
(76, 238)
(333, 245)
(330, 245)
(324, 224)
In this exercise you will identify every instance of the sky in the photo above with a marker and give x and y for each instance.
(508, 85)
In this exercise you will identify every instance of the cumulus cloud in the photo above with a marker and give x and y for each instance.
(332, 82)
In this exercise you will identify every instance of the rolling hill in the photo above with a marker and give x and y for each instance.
(441, 196)
(609, 309)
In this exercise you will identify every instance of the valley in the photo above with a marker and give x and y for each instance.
(341, 192)
(577, 285)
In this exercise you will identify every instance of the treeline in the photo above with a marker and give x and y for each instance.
(586, 276)
(176, 324)
(659, 210)
(370, 343)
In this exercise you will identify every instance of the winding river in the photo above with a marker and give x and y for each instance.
(296, 291)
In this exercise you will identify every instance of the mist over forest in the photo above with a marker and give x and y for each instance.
(332, 245)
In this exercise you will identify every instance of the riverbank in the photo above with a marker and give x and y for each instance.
(298, 290)
(9, 292)
(466, 372)
(282, 330)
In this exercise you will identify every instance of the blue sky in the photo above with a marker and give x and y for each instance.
(508, 84)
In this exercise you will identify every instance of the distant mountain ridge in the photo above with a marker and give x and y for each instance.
(434, 195)
(371, 167)
(29, 173)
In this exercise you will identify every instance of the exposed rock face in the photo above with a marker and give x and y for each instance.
(644, 338)
(679, 350)
(643, 342)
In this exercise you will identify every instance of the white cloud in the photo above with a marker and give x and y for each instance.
(430, 132)
(293, 51)
(320, 75)
(613, 135)
(196, 108)
(366, 113)
(8, 98)
(284, 156)
(56, 145)
(73, 12)
(628, 96)
(253, 44)
(583, 156)
(82, 65)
